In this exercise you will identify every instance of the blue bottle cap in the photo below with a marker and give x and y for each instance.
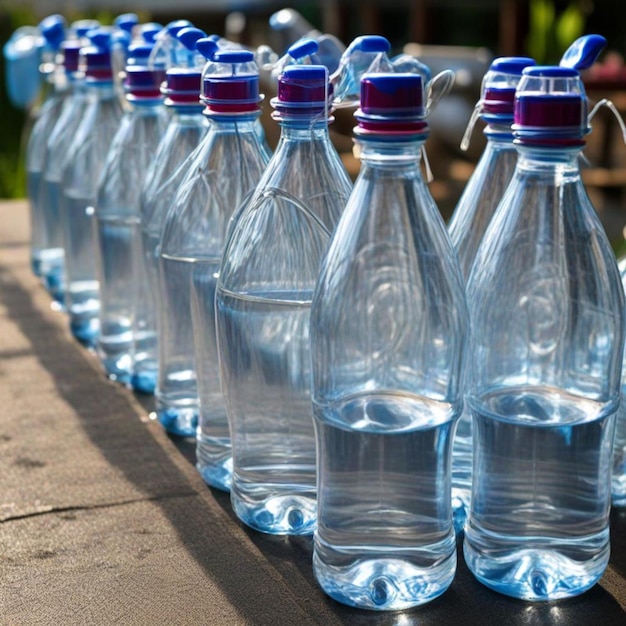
(550, 107)
(126, 21)
(150, 31)
(365, 54)
(498, 88)
(82, 27)
(53, 30)
(207, 47)
(371, 43)
(391, 104)
(100, 38)
(173, 27)
(138, 53)
(230, 83)
(303, 48)
(120, 38)
(189, 36)
(233, 56)
(582, 54)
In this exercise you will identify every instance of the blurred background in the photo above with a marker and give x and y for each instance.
(462, 35)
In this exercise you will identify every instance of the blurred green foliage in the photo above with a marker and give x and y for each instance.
(550, 33)
(14, 125)
(12, 144)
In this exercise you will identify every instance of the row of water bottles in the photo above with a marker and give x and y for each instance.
(350, 368)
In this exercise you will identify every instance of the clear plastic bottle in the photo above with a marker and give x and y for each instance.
(118, 220)
(263, 302)
(81, 172)
(53, 31)
(388, 333)
(224, 168)
(169, 167)
(51, 188)
(618, 473)
(543, 377)
(470, 219)
(225, 171)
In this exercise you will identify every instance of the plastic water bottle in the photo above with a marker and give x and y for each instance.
(263, 301)
(224, 168)
(495, 167)
(224, 172)
(546, 307)
(234, 135)
(118, 220)
(81, 172)
(618, 473)
(53, 32)
(50, 190)
(388, 331)
(185, 129)
(169, 167)
(470, 219)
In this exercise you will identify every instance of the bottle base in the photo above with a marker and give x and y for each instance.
(182, 422)
(144, 382)
(618, 501)
(460, 508)
(618, 491)
(55, 288)
(384, 584)
(35, 265)
(85, 331)
(217, 475)
(537, 573)
(117, 368)
(287, 513)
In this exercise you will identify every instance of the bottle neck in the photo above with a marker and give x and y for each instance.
(186, 116)
(235, 123)
(499, 133)
(185, 111)
(393, 154)
(101, 89)
(549, 160)
(146, 106)
(303, 131)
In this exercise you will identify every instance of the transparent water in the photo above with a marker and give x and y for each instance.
(538, 526)
(462, 471)
(52, 255)
(618, 479)
(467, 227)
(176, 393)
(265, 363)
(213, 451)
(82, 298)
(384, 538)
(115, 245)
(33, 181)
(145, 356)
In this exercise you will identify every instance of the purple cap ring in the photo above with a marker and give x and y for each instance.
(391, 104)
(182, 87)
(142, 83)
